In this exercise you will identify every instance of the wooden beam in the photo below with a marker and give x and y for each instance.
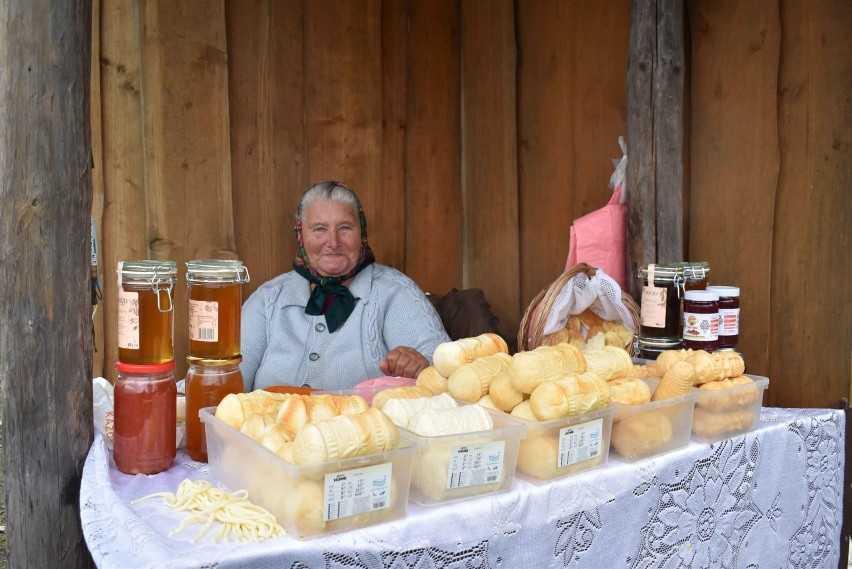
(45, 307)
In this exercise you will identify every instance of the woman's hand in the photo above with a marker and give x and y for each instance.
(403, 362)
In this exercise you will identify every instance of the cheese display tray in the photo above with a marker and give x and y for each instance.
(723, 413)
(651, 429)
(459, 466)
(311, 500)
(564, 446)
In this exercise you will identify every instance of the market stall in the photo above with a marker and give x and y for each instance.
(769, 498)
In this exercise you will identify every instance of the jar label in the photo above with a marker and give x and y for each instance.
(653, 310)
(204, 321)
(128, 320)
(700, 327)
(729, 321)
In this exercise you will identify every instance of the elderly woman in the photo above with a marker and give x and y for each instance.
(338, 317)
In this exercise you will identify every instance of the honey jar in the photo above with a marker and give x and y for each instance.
(145, 420)
(146, 311)
(696, 275)
(214, 297)
(659, 314)
(207, 383)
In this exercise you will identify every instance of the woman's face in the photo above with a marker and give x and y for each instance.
(332, 237)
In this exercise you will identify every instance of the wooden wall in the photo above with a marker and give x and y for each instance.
(475, 131)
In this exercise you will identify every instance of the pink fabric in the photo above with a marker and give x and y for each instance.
(600, 239)
(386, 381)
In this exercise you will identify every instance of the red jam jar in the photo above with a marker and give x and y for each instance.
(145, 422)
(729, 315)
(701, 320)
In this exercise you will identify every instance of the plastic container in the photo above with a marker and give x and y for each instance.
(701, 320)
(146, 311)
(651, 429)
(145, 418)
(207, 383)
(454, 467)
(214, 302)
(724, 413)
(729, 315)
(565, 446)
(660, 306)
(311, 500)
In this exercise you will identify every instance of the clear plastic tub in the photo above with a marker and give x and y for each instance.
(311, 500)
(564, 446)
(454, 467)
(724, 413)
(651, 429)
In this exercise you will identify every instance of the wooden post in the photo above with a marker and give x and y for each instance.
(45, 310)
(655, 68)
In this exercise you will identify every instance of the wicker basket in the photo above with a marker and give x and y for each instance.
(531, 332)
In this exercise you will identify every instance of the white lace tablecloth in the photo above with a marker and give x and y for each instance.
(771, 498)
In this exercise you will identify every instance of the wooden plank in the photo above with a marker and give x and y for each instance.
(668, 130)
(97, 187)
(124, 234)
(546, 158)
(343, 103)
(186, 140)
(811, 311)
(489, 160)
(433, 254)
(45, 308)
(641, 173)
(392, 198)
(734, 157)
(266, 104)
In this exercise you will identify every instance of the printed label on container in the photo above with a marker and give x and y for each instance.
(204, 320)
(472, 465)
(700, 327)
(653, 310)
(354, 492)
(729, 321)
(580, 442)
(128, 320)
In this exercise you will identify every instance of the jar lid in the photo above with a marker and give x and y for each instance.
(208, 362)
(145, 369)
(216, 270)
(724, 290)
(701, 295)
(150, 270)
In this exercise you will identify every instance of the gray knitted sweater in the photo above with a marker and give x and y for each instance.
(281, 345)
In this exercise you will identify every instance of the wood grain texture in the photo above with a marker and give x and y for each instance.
(734, 149)
(811, 312)
(45, 308)
(97, 184)
(668, 130)
(546, 161)
(266, 106)
(641, 170)
(391, 200)
(489, 157)
(124, 231)
(186, 140)
(433, 216)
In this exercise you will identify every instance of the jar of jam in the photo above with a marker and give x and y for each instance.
(729, 315)
(660, 301)
(214, 297)
(207, 383)
(695, 275)
(145, 418)
(701, 320)
(649, 348)
(146, 312)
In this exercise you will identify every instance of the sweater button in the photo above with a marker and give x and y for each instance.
(320, 327)
(313, 357)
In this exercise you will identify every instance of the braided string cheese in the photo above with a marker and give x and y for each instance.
(238, 516)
